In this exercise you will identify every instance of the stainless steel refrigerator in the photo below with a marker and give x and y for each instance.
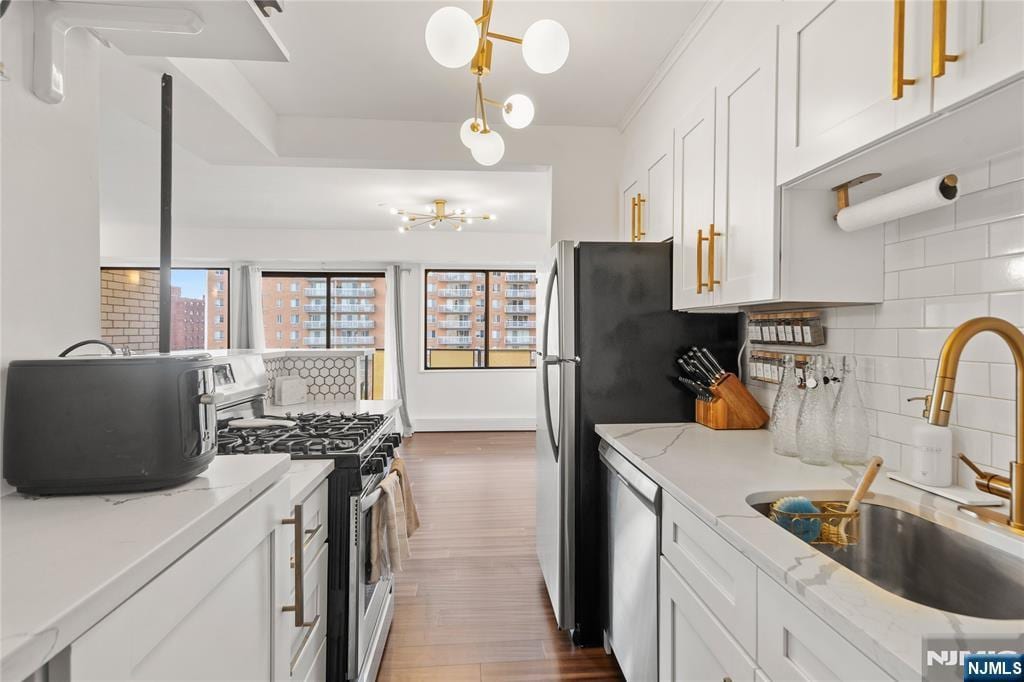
(609, 338)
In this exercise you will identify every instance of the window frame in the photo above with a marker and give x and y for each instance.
(487, 314)
(327, 276)
(227, 299)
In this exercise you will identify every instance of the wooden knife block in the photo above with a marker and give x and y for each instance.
(732, 408)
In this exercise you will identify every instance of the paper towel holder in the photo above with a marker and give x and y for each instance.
(843, 191)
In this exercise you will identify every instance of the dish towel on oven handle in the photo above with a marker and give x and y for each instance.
(412, 516)
(387, 518)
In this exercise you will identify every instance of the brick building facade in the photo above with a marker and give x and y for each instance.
(295, 311)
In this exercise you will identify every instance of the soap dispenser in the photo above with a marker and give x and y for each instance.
(932, 459)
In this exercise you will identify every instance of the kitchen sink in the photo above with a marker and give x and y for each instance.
(932, 565)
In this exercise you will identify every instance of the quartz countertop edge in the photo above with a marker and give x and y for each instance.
(305, 475)
(68, 561)
(713, 473)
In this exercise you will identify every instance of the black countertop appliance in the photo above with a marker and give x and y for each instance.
(108, 424)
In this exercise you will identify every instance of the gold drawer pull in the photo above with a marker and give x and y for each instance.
(298, 608)
(640, 201)
(711, 257)
(899, 26)
(939, 56)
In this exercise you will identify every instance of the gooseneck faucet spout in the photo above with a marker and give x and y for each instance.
(940, 403)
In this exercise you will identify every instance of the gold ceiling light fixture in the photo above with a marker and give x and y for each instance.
(438, 214)
(455, 39)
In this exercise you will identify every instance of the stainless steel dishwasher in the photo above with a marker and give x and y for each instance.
(633, 512)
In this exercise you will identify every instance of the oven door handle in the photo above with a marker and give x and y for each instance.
(369, 501)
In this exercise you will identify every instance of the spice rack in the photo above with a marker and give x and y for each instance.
(792, 328)
(767, 366)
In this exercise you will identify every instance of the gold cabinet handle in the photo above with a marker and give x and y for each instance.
(899, 30)
(700, 260)
(939, 56)
(711, 257)
(298, 608)
(640, 201)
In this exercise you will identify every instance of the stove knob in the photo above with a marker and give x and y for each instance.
(394, 439)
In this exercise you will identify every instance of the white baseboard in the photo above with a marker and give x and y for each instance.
(476, 424)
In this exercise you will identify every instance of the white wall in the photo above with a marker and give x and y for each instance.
(50, 210)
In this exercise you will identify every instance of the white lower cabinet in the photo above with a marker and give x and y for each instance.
(795, 644)
(215, 614)
(692, 644)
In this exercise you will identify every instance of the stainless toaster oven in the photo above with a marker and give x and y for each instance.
(106, 424)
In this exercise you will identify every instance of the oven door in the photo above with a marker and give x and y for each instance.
(369, 598)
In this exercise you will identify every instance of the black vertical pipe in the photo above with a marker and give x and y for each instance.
(166, 139)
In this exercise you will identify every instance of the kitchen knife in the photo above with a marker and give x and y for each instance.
(699, 361)
(698, 390)
(713, 360)
(695, 372)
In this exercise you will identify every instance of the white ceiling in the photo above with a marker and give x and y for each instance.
(294, 197)
(367, 59)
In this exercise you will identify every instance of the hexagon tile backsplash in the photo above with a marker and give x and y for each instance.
(328, 376)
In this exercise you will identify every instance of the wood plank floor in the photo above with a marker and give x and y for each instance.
(471, 602)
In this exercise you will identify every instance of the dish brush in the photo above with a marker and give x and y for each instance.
(807, 530)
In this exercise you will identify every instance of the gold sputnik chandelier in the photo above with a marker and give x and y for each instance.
(455, 39)
(436, 215)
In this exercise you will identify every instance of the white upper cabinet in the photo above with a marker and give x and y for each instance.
(694, 202)
(746, 210)
(657, 210)
(837, 78)
(987, 39)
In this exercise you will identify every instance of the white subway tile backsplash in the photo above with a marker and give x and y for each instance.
(905, 255)
(987, 414)
(875, 342)
(933, 281)
(1007, 168)
(900, 314)
(853, 317)
(942, 268)
(953, 247)
(993, 274)
(1009, 306)
(921, 343)
(892, 285)
(1006, 237)
(996, 203)
(930, 222)
(949, 311)
(1003, 451)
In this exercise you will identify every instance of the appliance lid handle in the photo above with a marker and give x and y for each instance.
(546, 361)
(628, 474)
(87, 342)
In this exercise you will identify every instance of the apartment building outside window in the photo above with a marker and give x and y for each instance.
(130, 308)
(459, 331)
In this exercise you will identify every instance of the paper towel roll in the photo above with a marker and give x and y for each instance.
(916, 198)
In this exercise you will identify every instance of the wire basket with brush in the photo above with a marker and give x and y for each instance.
(825, 523)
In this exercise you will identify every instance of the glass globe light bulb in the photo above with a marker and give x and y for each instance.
(466, 132)
(405, 219)
(545, 46)
(518, 111)
(488, 149)
(452, 37)
(433, 225)
(393, 211)
(493, 216)
(469, 221)
(458, 228)
(403, 229)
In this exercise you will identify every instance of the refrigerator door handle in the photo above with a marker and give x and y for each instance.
(549, 360)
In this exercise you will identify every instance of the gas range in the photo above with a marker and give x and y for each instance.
(310, 435)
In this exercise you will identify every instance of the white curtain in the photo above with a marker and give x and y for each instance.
(394, 352)
(248, 326)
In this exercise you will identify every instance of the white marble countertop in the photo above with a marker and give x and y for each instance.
(69, 561)
(335, 406)
(305, 475)
(715, 474)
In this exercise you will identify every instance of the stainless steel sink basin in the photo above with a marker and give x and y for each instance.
(932, 565)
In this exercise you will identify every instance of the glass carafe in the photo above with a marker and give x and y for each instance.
(785, 410)
(849, 418)
(815, 439)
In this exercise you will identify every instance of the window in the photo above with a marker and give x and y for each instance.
(130, 308)
(458, 333)
(295, 319)
(295, 303)
(279, 319)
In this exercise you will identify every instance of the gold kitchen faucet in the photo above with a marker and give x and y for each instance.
(939, 404)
